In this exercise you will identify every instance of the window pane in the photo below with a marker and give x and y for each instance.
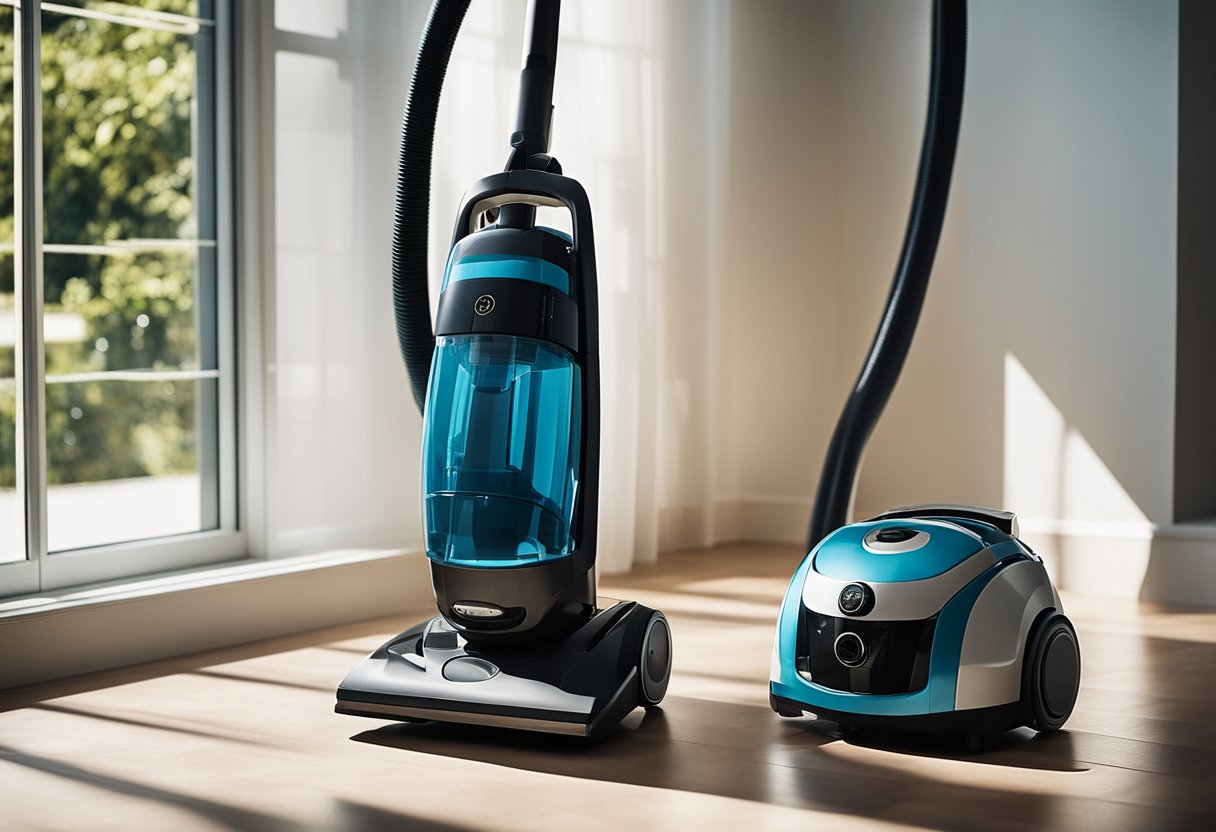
(117, 134)
(120, 312)
(12, 543)
(122, 458)
(129, 284)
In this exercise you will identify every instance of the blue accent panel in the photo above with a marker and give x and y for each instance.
(840, 555)
(786, 645)
(501, 453)
(516, 266)
(938, 695)
(898, 704)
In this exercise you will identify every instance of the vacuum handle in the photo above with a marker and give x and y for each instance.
(491, 202)
(1006, 521)
(532, 187)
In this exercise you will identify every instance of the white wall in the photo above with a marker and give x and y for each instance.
(1042, 374)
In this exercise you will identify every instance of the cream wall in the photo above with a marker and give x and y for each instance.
(779, 317)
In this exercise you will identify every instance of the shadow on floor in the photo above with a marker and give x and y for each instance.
(145, 723)
(1021, 748)
(359, 817)
(27, 695)
(347, 815)
(745, 752)
(222, 814)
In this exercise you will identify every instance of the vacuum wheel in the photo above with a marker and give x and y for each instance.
(654, 664)
(1053, 672)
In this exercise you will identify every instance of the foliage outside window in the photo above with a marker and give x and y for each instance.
(129, 260)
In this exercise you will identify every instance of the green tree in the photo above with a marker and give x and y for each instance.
(117, 142)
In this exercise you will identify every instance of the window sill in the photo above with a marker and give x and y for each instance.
(83, 629)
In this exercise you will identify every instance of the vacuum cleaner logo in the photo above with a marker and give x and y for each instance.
(477, 611)
(484, 305)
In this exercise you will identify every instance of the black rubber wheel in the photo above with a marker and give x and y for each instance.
(654, 665)
(1052, 672)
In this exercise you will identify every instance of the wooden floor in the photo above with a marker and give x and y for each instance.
(246, 739)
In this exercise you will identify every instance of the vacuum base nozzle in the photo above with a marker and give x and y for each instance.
(581, 686)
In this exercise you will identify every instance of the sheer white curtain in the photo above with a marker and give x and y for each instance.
(640, 121)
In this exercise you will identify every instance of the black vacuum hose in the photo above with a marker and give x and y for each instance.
(411, 297)
(898, 325)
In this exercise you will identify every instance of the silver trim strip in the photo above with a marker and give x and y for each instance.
(871, 543)
(477, 611)
(548, 726)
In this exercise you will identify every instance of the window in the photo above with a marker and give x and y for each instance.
(117, 411)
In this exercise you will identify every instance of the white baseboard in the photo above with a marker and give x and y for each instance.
(44, 638)
(1182, 568)
(775, 519)
(765, 519)
(1169, 564)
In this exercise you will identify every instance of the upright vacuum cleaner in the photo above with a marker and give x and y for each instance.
(934, 617)
(509, 385)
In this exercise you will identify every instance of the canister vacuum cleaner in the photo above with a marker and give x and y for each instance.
(936, 617)
(508, 381)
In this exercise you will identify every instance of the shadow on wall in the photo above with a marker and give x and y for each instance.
(1042, 378)
(1068, 496)
(1070, 233)
(1093, 535)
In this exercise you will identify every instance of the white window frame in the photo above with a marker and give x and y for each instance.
(42, 571)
